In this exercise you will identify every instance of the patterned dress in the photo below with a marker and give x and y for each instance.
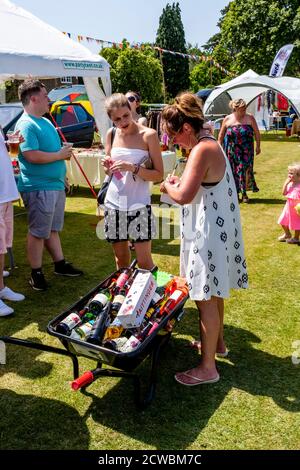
(212, 252)
(239, 148)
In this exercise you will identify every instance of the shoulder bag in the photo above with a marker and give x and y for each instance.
(103, 190)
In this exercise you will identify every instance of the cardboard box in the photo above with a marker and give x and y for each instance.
(139, 296)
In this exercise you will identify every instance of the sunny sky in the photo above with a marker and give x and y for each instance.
(134, 20)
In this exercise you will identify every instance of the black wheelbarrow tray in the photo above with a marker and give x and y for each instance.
(123, 363)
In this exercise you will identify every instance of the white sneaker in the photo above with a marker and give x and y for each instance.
(5, 310)
(9, 294)
(5, 273)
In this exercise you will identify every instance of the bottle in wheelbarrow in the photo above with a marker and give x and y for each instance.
(177, 296)
(101, 323)
(66, 326)
(97, 304)
(123, 278)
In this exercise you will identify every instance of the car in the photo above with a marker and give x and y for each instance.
(74, 121)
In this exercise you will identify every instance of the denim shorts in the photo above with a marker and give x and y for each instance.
(45, 212)
(138, 225)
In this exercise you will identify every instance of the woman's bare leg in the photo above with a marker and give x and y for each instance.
(143, 254)
(210, 328)
(122, 254)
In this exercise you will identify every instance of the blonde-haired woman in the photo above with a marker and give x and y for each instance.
(238, 131)
(211, 250)
(127, 206)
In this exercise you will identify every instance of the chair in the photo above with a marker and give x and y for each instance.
(269, 128)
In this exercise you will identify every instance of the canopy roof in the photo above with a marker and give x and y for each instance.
(31, 47)
(248, 86)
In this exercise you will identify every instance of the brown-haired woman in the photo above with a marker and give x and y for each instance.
(237, 131)
(212, 254)
(127, 213)
(134, 99)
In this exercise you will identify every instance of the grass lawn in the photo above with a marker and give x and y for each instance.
(255, 405)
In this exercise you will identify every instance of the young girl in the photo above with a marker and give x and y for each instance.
(289, 218)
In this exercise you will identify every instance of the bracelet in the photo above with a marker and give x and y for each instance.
(136, 169)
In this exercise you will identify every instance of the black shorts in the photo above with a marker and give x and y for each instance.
(138, 225)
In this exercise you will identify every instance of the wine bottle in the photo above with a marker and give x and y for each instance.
(117, 302)
(135, 340)
(124, 277)
(67, 324)
(101, 323)
(97, 304)
(82, 331)
(114, 330)
(175, 298)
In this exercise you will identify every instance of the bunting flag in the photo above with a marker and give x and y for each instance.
(138, 45)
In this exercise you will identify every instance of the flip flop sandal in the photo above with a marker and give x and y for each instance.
(196, 379)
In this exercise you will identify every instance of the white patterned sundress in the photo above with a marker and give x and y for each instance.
(212, 250)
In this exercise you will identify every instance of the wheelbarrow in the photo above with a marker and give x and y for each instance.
(123, 363)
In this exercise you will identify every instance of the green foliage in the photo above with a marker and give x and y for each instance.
(135, 69)
(204, 75)
(252, 31)
(11, 90)
(170, 36)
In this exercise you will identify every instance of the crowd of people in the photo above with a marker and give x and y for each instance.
(212, 256)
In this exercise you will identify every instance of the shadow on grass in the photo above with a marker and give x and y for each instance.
(24, 362)
(81, 192)
(256, 200)
(178, 414)
(29, 422)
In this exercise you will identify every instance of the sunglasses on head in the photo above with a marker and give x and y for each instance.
(131, 99)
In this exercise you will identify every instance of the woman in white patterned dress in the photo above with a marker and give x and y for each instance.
(212, 252)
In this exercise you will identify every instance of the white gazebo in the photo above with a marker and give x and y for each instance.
(31, 47)
(249, 86)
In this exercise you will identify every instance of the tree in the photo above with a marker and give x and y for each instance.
(205, 75)
(137, 70)
(170, 36)
(252, 32)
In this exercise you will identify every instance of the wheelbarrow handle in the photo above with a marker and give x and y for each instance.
(85, 379)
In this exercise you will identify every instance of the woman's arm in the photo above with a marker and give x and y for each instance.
(194, 173)
(256, 134)
(108, 142)
(157, 173)
(106, 161)
(223, 130)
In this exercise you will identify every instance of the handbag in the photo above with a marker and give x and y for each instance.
(103, 190)
(104, 187)
(147, 163)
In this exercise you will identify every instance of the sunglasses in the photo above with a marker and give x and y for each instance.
(131, 99)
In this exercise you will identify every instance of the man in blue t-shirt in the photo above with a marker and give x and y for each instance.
(42, 182)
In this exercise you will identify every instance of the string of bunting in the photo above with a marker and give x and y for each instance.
(198, 58)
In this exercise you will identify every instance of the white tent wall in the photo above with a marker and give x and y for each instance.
(97, 99)
(250, 85)
(31, 47)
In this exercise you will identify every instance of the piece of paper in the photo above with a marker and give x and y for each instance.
(166, 199)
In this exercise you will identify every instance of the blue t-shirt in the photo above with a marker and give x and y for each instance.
(39, 134)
